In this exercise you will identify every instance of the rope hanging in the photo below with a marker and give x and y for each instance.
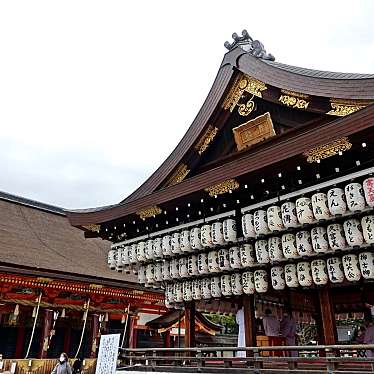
(125, 329)
(84, 327)
(34, 325)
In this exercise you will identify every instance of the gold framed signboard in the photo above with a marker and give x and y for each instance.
(253, 131)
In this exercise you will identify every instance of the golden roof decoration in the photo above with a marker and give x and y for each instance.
(328, 150)
(206, 139)
(179, 174)
(149, 212)
(222, 187)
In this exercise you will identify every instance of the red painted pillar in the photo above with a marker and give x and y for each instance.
(133, 333)
(67, 338)
(189, 325)
(46, 330)
(167, 339)
(94, 340)
(20, 341)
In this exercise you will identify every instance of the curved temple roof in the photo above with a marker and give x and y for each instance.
(256, 64)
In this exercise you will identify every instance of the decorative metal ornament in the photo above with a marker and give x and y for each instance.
(336, 201)
(304, 210)
(343, 108)
(248, 226)
(223, 187)
(294, 99)
(328, 150)
(248, 283)
(353, 232)
(179, 175)
(206, 139)
(354, 194)
(149, 212)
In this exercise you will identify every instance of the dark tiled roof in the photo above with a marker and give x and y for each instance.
(318, 73)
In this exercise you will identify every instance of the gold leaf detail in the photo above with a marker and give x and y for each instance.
(293, 101)
(93, 228)
(328, 150)
(223, 187)
(206, 139)
(343, 108)
(179, 174)
(245, 109)
(149, 212)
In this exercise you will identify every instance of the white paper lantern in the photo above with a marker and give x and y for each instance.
(304, 210)
(260, 222)
(353, 232)
(178, 292)
(217, 233)
(248, 282)
(169, 293)
(247, 255)
(195, 239)
(335, 269)
(366, 260)
(158, 272)
(224, 259)
(215, 287)
(290, 274)
(166, 246)
(277, 278)
(196, 289)
(262, 251)
(236, 284)
(368, 186)
(367, 224)
(187, 290)
(175, 243)
(202, 263)
(261, 281)
(320, 206)
(289, 215)
(149, 254)
(289, 246)
(150, 273)
(304, 243)
(234, 256)
(319, 239)
(335, 234)
(140, 252)
(185, 244)
(336, 201)
(206, 236)
(213, 262)
(141, 275)
(205, 289)
(248, 226)
(183, 271)
(274, 218)
(112, 259)
(157, 247)
(166, 276)
(229, 230)
(351, 268)
(226, 288)
(132, 254)
(354, 195)
(319, 272)
(304, 274)
(192, 265)
(119, 265)
(275, 249)
(174, 268)
(126, 256)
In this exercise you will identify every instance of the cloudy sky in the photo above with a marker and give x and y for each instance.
(94, 95)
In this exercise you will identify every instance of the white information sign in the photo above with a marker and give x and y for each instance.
(108, 353)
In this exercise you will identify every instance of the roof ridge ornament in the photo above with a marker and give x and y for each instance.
(253, 47)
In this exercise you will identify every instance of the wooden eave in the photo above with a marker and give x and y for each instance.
(278, 148)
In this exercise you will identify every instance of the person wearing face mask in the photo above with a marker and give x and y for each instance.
(63, 366)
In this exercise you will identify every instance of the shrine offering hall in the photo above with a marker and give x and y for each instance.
(265, 203)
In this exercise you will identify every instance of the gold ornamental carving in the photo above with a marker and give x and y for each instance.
(328, 150)
(294, 99)
(243, 83)
(149, 212)
(343, 108)
(93, 228)
(206, 139)
(253, 131)
(223, 187)
(180, 173)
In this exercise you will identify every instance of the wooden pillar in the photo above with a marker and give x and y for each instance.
(133, 332)
(94, 335)
(67, 338)
(46, 330)
(20, 341)
(189, 325)
(167, 339)
(327, 316)
(249, 322)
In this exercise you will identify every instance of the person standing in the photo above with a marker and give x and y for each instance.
(369, 337)
(63, 366)
(271, 328)
(241, 334)
(288, 331)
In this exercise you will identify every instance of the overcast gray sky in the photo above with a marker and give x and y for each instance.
(94, 95)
